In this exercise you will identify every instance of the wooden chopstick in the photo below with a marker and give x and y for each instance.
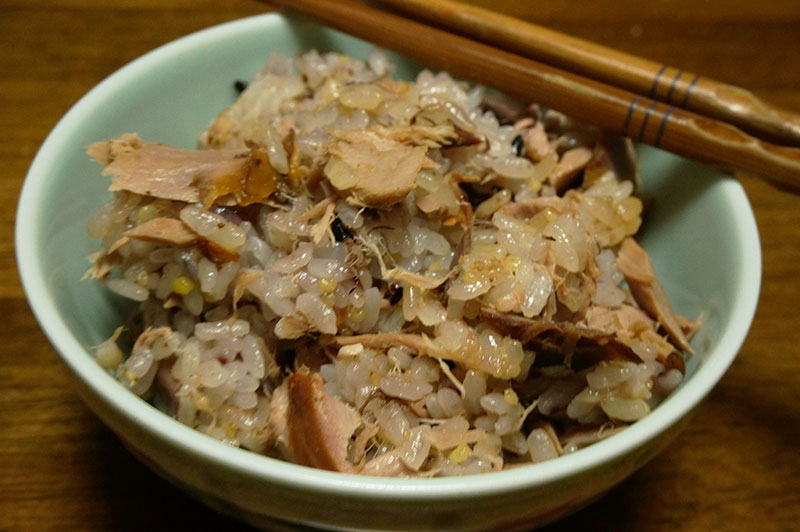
(656, 81)
(610, 108)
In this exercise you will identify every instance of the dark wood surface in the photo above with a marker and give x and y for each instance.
(735, 468)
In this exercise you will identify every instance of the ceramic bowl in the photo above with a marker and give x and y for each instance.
(700, 233)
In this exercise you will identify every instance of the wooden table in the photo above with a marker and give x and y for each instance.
(736, 467)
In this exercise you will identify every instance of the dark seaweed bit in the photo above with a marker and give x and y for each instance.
(518, 145)
(285, 358)
(340, 232)
(397, 294)
(239, 85)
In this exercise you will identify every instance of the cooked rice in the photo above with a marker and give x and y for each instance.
(465, 308)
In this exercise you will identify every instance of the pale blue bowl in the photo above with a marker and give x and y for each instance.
(701, 234)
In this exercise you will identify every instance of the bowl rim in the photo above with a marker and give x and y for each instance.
(80, 362)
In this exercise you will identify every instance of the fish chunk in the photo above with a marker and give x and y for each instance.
(569, 167)
(320, 425)
(164, 230)
(537, 145)
(161, 171)
(375, 171)
(636, 266)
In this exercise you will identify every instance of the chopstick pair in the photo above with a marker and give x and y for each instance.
(609, 107)
(644, 77)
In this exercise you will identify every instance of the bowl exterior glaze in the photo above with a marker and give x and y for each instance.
(275, 506)
(701, 234)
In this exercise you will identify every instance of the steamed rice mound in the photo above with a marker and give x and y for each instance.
(382, 277)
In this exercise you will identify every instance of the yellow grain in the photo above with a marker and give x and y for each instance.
(182, 285)
(460, 453)
(510, 396)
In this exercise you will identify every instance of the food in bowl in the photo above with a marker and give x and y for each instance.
(381, 277)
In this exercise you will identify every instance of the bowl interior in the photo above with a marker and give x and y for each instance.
(700, 232)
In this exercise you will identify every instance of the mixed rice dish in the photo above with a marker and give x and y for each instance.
(382, 277)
